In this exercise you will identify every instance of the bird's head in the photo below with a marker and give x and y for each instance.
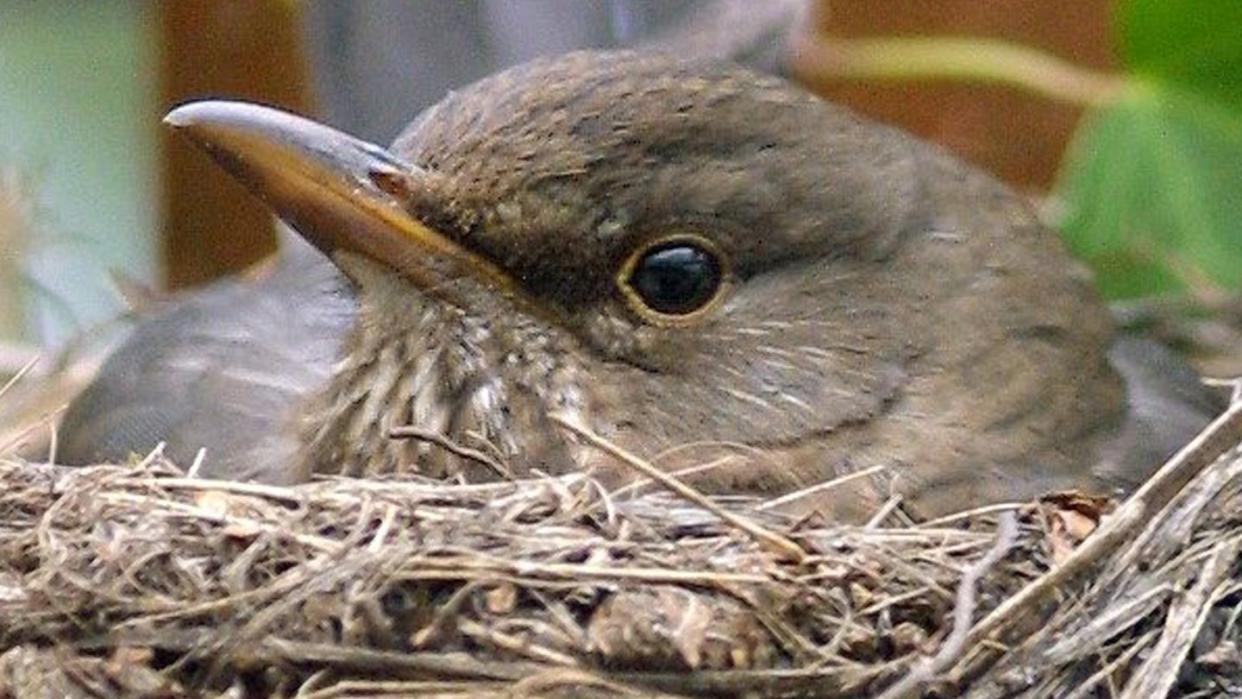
(676, 253)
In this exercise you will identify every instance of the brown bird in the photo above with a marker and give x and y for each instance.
(689, 259)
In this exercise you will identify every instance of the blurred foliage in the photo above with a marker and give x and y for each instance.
(1153, 181)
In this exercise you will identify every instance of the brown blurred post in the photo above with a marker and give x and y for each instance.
(250, 49)
(1017, 135)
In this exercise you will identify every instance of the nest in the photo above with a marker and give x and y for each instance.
(137, 580)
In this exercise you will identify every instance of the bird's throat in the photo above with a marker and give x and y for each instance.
(415, 364)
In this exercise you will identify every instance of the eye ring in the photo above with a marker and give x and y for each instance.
(674, 280)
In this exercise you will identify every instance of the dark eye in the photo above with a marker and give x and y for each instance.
(676, 278)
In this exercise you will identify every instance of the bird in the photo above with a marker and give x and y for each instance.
(707, 266)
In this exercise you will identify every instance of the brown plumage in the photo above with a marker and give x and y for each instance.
(866, 299)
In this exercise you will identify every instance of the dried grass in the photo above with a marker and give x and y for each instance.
(137, 580)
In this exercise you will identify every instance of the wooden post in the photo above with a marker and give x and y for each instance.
(247, 49)
(1016, 135)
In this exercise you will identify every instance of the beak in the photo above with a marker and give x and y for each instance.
(341, 193)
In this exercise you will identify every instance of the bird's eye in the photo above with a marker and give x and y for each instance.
(674, 278)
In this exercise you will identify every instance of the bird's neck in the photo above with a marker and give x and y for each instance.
(411, 362)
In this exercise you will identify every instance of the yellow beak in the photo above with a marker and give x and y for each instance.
(341, 193)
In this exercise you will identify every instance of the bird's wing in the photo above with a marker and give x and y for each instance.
(220, 370)
(1168, 406)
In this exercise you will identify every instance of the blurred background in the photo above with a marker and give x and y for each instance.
(1122, 119)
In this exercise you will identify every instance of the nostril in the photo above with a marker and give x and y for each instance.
(392, 182)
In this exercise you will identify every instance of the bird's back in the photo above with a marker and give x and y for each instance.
(222, 369)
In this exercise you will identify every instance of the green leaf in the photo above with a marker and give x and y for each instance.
(1153, 183)
(1194, 45)
(1153, 193)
